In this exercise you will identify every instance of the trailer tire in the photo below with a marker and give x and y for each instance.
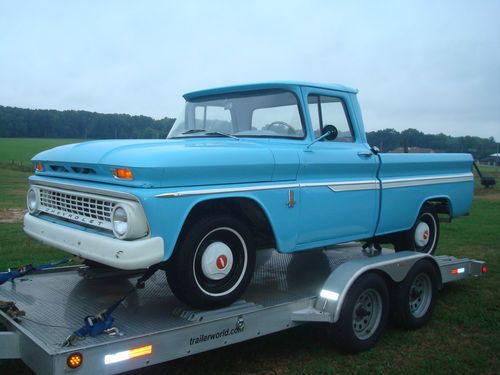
(364, 314)
(415, 297)
(423, 236)
(214, 262)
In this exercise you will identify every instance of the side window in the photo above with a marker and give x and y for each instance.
(213, 119)
(328, 110)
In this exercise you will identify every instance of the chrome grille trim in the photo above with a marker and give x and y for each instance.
(37, 181)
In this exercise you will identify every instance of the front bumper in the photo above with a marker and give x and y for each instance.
(127, 255)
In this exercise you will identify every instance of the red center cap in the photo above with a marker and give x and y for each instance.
(426, 234)
(221, 262)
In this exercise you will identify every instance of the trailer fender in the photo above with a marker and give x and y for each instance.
(334, 291)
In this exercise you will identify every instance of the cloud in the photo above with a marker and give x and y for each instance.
(433, 66)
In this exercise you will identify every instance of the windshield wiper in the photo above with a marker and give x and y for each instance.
(223, 134)
(190, 131)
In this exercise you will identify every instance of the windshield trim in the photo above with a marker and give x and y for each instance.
(251, 93)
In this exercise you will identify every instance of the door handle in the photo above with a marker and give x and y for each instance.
(365, 154)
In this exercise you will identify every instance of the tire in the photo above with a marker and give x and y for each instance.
(423, 236)
(415, 297)
(213, 264)
(364, 314)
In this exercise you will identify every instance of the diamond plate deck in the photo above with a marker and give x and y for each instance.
(56, 302)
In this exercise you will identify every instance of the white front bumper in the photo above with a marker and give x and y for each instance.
(127, 255)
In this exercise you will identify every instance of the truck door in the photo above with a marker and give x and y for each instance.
(339, 186)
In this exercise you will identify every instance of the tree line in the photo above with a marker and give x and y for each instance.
(35, 123)
(42, 123)
(389, 140)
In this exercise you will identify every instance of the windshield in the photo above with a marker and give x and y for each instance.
(255, 114)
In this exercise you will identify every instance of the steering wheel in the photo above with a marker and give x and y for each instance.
(281, 127)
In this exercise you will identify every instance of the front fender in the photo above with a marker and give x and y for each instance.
(167, 214)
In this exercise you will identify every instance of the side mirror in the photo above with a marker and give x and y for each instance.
(332, 130)
(329, 132)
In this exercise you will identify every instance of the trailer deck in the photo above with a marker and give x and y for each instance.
(152, 325)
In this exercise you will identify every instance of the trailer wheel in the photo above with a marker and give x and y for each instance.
(214, 263)
(423, 236)
(364, 314)
(414, 298)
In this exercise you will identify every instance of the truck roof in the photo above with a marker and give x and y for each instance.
(266, 85)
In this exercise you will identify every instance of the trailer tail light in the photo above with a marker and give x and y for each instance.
(457, 271)
(74, 360)
(484, 269)
(128, 354)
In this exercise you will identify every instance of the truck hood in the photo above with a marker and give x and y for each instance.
(167, 163)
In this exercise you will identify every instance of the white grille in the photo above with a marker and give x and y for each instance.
(82, 208)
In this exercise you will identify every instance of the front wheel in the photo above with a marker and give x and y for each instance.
(213, 263)
(423, 236)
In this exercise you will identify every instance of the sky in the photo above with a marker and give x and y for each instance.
(429, 65)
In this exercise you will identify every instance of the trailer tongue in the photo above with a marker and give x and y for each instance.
(151, 326)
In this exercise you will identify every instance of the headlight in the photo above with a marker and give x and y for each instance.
(129, 222)
(120, 222)
(32, 200)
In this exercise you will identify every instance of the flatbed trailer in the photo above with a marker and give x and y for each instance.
(152, 326)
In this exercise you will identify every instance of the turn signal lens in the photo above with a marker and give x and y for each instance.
(39, 167)
(74, 360)
(123, 173)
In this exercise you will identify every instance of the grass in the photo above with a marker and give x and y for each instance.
(462, 337)
(19, 151)
(13, 186)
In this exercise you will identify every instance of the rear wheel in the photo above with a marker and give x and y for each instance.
(364, 314)
(423, 236)
(414, 298)
(214, 263)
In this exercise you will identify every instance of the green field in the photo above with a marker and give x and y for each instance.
(19, 151)
(463, 336)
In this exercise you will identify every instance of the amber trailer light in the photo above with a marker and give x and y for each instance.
(128, 354)
(74, 360)
(123, 174)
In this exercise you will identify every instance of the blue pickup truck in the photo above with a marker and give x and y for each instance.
(281, 165)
